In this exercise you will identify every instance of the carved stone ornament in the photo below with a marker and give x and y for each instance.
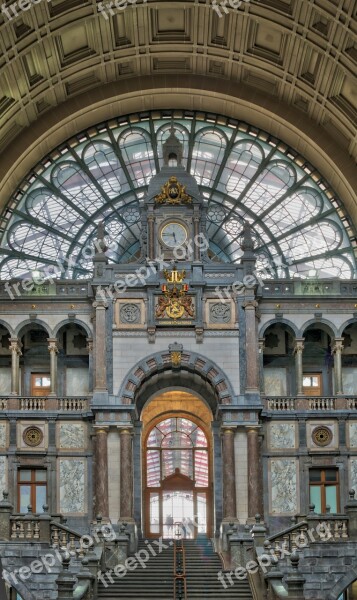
(322, 436)
(220, 313)
(173, 192)
(32, 436)
(130, 313)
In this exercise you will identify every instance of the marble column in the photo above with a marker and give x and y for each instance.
(126, 474)
(252, 379)
(255, 490)
(298, 350)
(100, 379)
(337, 348)
(15, 365)
(229, 475)
(101, 471)
(53, 350)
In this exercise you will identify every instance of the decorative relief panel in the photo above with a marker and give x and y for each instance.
(32, 435)
(130, 313)
(219, 314)
(3, 435)
(282, 436)
(322, 435)
(72, 485)
(71, 436)
(352, 434)
(3, 475)
(283, 486)
(353, 474)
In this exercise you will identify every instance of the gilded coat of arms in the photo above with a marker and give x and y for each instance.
(173, 192)
(174, 303)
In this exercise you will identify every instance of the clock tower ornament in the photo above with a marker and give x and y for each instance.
(175, 211)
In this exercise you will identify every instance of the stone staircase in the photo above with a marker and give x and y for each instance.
(156, 580)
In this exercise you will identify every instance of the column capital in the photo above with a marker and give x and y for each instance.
(253, 428)
(53, 344)
(15, 345)
(251, 304)
(337, 345)
(299, 344)
(228, 429)
(125, 430)
(100, 304)
(101, 429)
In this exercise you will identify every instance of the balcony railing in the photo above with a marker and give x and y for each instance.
(302, 403)
(45, 403)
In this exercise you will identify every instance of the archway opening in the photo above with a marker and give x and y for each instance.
(177, 466)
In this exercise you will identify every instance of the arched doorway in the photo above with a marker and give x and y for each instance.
(177, 478)
(179, 442)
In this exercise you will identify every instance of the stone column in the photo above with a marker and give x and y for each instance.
(53, 349)
(15, 365)
(229, 475)
(252, 380)
(101, 471)
(126, 474)
(100, 379)
(261, 346)
(298, 350)
(337, 348)
(254, 483)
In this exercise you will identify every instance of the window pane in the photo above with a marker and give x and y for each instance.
(315, 497)
(24, 475)
(154, 513)
(177, 459)
(201, 468)
(40, 475)
(331, 475)
(25, 498)
(42, 381)
(315, 475)
(41, 498)
(153, 468)
(331, 497)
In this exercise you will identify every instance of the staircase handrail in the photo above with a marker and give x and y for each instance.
(290, 529)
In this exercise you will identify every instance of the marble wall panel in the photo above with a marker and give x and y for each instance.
(72, 485)
(5, 380)
(283, 486)
(3, 475)
(275, 381)
(77, 381)
(349, 380)
(282, 436)
(3, 435)
(353, 474)
(71, 435)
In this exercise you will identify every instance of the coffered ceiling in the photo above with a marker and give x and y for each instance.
(298, 58)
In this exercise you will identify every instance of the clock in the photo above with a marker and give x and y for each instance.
(173, 234)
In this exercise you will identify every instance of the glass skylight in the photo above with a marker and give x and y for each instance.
(299, 225)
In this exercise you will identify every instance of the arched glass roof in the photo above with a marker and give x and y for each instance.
(299, 225)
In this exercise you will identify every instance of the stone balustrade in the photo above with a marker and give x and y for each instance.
(306, 403)
(38, 404)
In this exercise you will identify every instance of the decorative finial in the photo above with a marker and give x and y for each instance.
(172, 149)
(247, 243)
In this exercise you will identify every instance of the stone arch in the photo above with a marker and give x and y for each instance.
(333, 330)
(8, 327)
(290, 324)
(342, 584)
(192, 363)
(352, 321)
(24, 324)
(67, 321)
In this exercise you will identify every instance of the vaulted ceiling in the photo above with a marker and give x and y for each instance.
(287, 66)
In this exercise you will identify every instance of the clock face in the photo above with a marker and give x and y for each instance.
(173, 234)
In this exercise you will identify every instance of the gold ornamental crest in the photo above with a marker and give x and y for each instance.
(174, 303)
(173, 192)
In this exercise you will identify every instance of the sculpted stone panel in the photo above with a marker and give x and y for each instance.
(283, 486)
(72, 485)
(71, 435)
(282, 435)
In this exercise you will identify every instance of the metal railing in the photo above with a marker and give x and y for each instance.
(180, 583)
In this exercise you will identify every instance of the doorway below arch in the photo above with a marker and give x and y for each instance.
(177, 466)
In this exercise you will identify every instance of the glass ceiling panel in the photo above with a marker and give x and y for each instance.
(299, 226)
